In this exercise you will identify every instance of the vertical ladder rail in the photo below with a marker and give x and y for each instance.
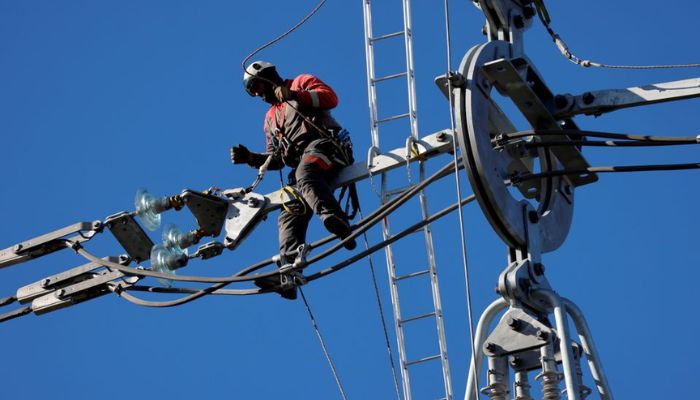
(371, 84)
(412, 115)
(410, 71)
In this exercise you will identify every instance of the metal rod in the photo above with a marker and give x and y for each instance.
(399, 116)
(422, 360)
(387, 36)
(567, 356)
(589, 348)
(481, 333)
(412, 275)
(386, 78)
(417, 317)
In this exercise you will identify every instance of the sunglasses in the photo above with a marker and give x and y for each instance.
(254, 87)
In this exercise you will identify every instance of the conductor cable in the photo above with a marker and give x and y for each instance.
(585, 171)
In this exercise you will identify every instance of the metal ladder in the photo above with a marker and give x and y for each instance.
(395, 280)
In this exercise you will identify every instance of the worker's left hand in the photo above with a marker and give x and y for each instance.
(283, 93)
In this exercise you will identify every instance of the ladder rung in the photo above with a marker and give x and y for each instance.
(398, 191)
(387, 36)
(417, 317)
(393, 118)
(411, 275)
(422, 360)
(386, 78)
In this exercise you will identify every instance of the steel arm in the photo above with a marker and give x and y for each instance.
(605, 101)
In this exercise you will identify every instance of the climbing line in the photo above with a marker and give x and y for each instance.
(323, 345)
(381, 314)
(564, 49)
(280, 37)
(458, 186)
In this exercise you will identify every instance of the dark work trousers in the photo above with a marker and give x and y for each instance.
(319, 164)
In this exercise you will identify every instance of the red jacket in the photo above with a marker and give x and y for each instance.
(284, 127)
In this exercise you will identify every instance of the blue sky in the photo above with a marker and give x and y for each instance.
(101, 98)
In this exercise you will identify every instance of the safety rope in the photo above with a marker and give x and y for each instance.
(295, 196)
(381, 313)
(458, 186)
(323, 345)
(564, 49)
(280, 37)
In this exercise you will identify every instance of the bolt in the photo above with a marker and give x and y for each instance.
(542, 335)
(60, 293)
(17, 248)
(484, 30)
(518, 22)
(539, 269)
(534, 218)
(96, 225)
(46, 282)
(514, 323)
(441, 137)
(560, 101)
(490, 347)
(123, 258)
(588, 98)
(253, 202)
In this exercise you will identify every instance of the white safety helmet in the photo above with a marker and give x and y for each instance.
(263, 69)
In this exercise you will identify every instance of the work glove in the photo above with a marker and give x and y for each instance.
(283, 93)
(240, 154)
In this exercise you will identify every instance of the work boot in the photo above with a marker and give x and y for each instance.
(338, 226)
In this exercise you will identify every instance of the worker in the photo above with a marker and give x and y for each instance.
(300, 133)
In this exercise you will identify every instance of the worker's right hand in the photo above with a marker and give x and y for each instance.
(240, 154)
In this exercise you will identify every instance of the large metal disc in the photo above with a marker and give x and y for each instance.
(479, 119)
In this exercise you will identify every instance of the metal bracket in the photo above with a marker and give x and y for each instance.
(209, 210)
(89, 286)
(244, 212)
(130, 235)
(48, 243)
(52, 283)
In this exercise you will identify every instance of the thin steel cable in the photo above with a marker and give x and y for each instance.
(458, 186)
(280, 37)
(381, 314)
(323, 344)
(543, 14)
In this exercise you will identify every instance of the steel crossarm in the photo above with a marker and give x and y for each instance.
(605, 101)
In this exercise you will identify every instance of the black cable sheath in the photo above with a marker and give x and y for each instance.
(15, 314)
(621, 168)
(385, 211)
(598, 134)
(389, 241)
(7, 301)
(606, 143)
